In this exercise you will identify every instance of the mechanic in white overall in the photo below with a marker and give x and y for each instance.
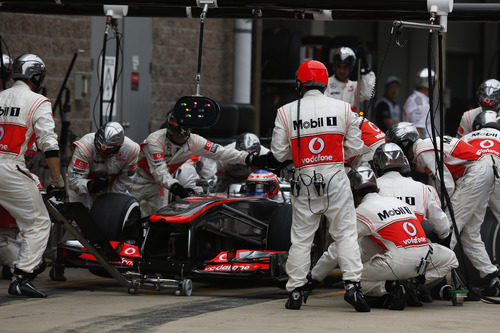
(469, 177)
(389, 161)
(488, 96)
(102, 162)
(168, 146)
(416, 107)
(486, 138)
(6, 69)
(406, 251)
(237, 173)
(316, 131)
(340, 87)
(25, 116)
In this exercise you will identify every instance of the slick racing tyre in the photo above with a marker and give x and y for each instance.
(113, 212)
(278, 232)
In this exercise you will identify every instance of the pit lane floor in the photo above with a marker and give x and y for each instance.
(87, 303)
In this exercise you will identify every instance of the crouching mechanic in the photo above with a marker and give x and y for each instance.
(24, 116)
(320, 185)
(407, 253)
(469, 177)
(102, 162)
(172, 145)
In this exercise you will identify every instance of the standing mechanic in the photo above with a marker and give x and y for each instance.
(339, 85)
(168, 146)
(102, 162)
(25, 116)
(469, 177)
(314, 130)
(406, 253)
(488, 96)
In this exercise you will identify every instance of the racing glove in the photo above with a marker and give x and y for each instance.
(365, 64)
(180, 191)
(97, 185)
(256, 160)
(56, 188)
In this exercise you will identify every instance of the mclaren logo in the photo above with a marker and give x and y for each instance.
(316, 145)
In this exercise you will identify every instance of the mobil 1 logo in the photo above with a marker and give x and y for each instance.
(314, 123)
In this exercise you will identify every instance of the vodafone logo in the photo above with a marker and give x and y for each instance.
(223, 257)
(486, 144)
(2, 132)
(130, 251)
(410, 228)
(316, 145)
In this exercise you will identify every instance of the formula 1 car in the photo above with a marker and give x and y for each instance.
(208, 236)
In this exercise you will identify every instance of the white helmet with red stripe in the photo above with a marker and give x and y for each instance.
(263, 182)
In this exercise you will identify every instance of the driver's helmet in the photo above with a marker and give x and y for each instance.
(485, 117)
(248, 142)
(109, 138)
(174, 128)
(388, 157)
(488, 95)
(262, 183)
(341, 55)
(6, 69)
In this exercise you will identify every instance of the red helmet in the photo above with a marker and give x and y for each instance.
(312, 73)
(264, 183)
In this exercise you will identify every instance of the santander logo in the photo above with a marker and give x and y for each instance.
(316, 145)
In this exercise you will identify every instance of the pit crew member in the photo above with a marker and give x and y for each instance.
(488, 97)
(167, 146)
(24, 116)
(416, 107)
(469, 178)
(102, 162)
(340, 87)
(316, 131)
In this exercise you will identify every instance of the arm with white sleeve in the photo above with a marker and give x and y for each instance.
(427, 160)
(125, 178)
(435, 215)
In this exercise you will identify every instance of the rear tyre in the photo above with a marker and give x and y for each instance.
(112, 212)
(278, 232)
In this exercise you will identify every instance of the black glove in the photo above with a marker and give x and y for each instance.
(97, 185)
(180, 191)
(362, 56)
(258, 161)
(56, 189)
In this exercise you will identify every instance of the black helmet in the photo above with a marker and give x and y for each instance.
(109, 138)
(484, 118)
(6, 70)
(387, 157)
(403, 134)
(173, 127)
(362, 178)
(488, 95)
(30, 68)
(343, 55)
(248, 142)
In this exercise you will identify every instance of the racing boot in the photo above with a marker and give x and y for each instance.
(21, 286)
(411, 293)
(397, 295)
(492, 288)
(308, 288)
(294, 301)
(354, 296)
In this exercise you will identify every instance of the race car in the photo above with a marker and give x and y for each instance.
(238, 236)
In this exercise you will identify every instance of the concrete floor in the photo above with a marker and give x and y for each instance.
(87, 303)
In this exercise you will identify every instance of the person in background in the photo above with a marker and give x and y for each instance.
(387, 111)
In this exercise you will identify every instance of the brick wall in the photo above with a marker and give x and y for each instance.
(174, 63)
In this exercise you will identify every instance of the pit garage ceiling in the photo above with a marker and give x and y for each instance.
(369, 10)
